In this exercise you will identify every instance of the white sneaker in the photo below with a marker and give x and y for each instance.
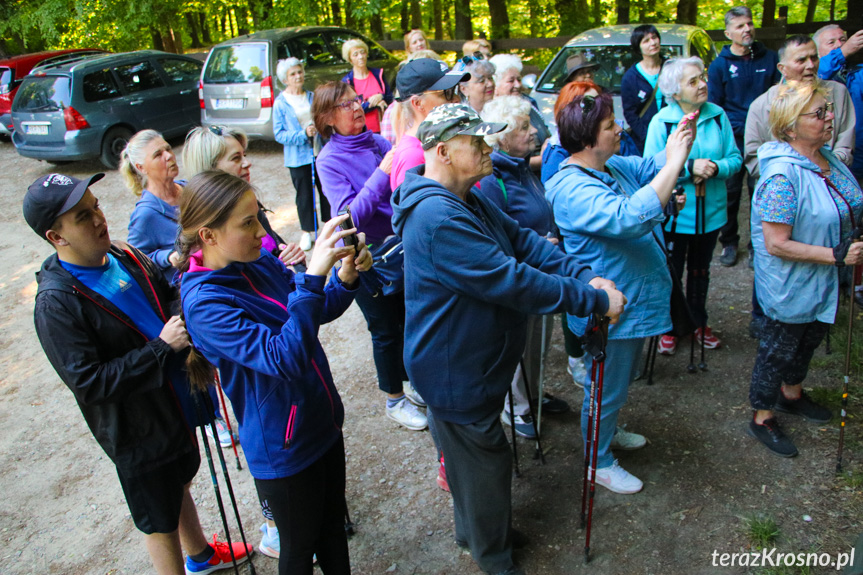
(408, 415)
(306, 241)
(627, 441)
(413, 395)
(575, 368)
(617, 479)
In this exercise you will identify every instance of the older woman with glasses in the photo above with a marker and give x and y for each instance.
(354, 168)
(713, 159)
(805, 209)
(479, 89)
(368, 83)
(609, 209)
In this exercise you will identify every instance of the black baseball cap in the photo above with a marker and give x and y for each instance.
(51, 196)
(426, 75)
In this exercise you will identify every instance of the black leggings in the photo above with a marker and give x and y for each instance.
(301, 177)
(695, 253)
(309, 510)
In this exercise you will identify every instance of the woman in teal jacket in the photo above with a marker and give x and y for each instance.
(713, 159)
(609, 210)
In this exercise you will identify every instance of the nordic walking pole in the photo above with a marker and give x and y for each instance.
(227, 419)
(539, 454)
(847, 373)
(541, 385)
(588, 443)
(230, 490)
(221, 504)
(702, 189)
(693, 277)
(595, 344)
(314, 196)
(512, 428)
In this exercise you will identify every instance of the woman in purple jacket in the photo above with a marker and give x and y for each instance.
(354, 170)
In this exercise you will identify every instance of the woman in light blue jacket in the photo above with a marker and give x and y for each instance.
(713, 159)
(609, 210)
(294, 129)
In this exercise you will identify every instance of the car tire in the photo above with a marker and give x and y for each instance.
(113, 143)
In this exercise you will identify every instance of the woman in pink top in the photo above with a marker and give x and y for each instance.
(367, 82)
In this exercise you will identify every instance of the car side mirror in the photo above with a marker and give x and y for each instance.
(529, 81)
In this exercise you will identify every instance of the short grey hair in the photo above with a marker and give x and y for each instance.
(672, 74)
(504, 109)
(503, 63)
(823, 29)
(285, 65)
(478, 67)
(737, 12)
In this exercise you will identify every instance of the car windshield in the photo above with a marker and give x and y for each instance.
(42, 94)
(613, 60)
(239, 64)
(5, 80)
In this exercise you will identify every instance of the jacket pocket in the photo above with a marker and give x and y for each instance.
(289, 428)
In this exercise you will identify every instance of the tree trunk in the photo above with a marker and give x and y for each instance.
(448, 18)
(437, 19)
(193, 30)
(597, 13)
(376, 25)
(499, 18)
(463, 24)
(404, 13)
(242, 16)
(350, 21)
(416, 15)
(573, 15)
(535, 13)
(337, 12)
(205, 30)
(687, 11)
(157, 39)
(622, 11)
(810, 10)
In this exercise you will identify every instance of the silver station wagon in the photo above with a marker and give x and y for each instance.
(610, 48)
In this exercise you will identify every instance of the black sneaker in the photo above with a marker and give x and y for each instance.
(553, 405)
(728, 257)
(805, 407)
(772, 437)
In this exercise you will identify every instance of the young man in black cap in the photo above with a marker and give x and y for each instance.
(472, 276)
(422, 85)
(102, 317)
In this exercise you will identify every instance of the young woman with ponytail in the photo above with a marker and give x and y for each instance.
(257, 322)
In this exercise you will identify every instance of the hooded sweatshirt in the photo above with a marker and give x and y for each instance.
(735, 81)
(258, 322)
(349, 173)
(472, 276)
(515, 189)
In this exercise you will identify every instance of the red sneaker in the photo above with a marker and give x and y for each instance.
(667, 344)
(710, 340)
(221, 558)
(441, 477)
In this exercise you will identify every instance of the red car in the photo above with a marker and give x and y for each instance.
(13, 70)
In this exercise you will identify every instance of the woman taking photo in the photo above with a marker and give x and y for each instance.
(609, 209)
(256, 322)
(367, 82)
(805, 208)
(513, 187)
(293, 128)
(479, 89)
(354, 169)
(713, 159)
(640, 93)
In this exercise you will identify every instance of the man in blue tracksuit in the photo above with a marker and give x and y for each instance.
(834, 47)
(472, 276)
(743, 71)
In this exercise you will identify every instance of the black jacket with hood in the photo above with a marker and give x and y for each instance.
(115, 372)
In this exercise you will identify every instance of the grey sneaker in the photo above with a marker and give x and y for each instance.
(729, 256)
(413, 395)
(627, 441)
(408, 415)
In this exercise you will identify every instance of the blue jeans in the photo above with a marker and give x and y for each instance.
(623, 356)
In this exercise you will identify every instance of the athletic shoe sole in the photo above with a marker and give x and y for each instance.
(268, 551)
(406, 426)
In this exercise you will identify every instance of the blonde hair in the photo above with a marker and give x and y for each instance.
(349, 47)
(133, 154)
(504, 109)
(205, 148)
(790, 101)
(471, 46)
(409, 36)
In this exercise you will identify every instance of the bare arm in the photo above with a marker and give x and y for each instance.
(777, 240)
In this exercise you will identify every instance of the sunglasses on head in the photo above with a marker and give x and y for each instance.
(587, 104)
(217, 130)
(468, 60)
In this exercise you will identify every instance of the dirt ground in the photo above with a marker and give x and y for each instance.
(62, 510)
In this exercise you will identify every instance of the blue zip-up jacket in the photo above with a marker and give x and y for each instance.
(258, 323)
(715, 142)
(735, 81)
(153, 229)
(789, 291)
(378, 73)
(299, 149)
(634, 92)
(524, 199)
(833, 67)
(554, 154)
(611, 220)
(472, 276)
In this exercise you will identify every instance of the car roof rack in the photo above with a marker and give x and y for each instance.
(64, 59)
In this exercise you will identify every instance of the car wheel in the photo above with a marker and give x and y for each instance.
(113, 143)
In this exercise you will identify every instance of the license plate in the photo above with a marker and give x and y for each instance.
(37, 130)
(232, 104)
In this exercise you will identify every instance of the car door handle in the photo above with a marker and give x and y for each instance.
(136, 102)
(184, 92)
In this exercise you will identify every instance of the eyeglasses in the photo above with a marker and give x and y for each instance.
(217, 130)
(587, 104)
(476, 57)
(350, 103)
(448, 94)
(696, 79)
(821, 113)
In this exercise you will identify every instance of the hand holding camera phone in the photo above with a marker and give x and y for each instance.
(352, 239)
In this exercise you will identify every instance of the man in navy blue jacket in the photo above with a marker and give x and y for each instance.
(743, 71)
(472, 276)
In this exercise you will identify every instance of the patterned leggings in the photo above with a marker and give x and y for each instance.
(783, 358)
